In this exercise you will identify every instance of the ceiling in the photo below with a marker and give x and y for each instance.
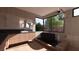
(42, 11)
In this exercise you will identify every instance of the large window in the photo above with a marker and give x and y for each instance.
(54, 23)
(39, 24)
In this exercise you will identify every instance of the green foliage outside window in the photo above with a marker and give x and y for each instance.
(55, 23)
(39, 27)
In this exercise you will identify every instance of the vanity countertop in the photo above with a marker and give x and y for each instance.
(27, 29)
(4, 32)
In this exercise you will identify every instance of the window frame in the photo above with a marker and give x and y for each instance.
(35, 24)
(73, 12)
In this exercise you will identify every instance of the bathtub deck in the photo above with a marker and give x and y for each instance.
(32, 46)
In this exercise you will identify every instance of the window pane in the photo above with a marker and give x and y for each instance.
(39, 24)
(54, 23)
(76, 12)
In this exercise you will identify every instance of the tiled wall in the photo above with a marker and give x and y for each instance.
(72, 30)
(10, 17)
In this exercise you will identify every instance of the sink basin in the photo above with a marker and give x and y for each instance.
(24, 31)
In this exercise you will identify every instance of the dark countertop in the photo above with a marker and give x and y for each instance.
(4, 32)
(27, 29)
